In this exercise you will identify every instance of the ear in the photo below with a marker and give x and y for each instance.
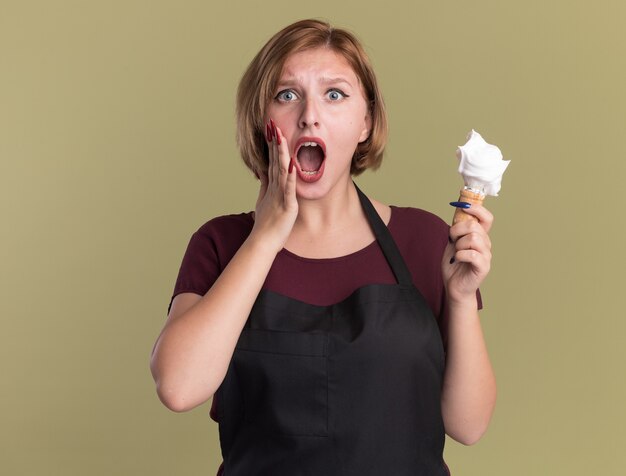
(367, 129)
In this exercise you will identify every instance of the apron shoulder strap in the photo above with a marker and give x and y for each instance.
(386, 242)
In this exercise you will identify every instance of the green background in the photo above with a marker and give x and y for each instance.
(117, 143)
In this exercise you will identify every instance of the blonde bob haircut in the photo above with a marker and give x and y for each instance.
(256, 90)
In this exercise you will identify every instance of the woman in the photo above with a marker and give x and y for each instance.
(338, 335)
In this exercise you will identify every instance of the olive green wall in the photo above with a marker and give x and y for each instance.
(117, 143)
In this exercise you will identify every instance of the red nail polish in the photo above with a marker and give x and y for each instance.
(268, 133)
(273, 127)
(278, 138)
(291, 162)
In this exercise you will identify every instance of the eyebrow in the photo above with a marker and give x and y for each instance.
(324, 80)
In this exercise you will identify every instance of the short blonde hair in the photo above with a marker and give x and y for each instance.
(256, 90)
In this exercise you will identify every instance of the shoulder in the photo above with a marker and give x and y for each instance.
(210, 248)
(229, 225)
(222, 235)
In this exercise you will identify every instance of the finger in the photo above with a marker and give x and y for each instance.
(268, 133)
(283, 155)
(280, 166)
(466, 227)
(273, 157)
(268, 139)
(290, 183)
(448, 254)
(473, 241)
(484, 216)
(263, 187)
(276, 133)
(481, 262)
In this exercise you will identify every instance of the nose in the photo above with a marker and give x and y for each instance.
(309, 116)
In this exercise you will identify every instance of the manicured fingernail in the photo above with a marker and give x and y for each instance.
(290, 164)
(273, 127)
(268, 133)
(461, 204)
(452, 260)
(278, 138)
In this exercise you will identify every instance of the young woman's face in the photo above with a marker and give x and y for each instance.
(320, 108)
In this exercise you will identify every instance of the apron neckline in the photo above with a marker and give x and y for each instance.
(383, 237)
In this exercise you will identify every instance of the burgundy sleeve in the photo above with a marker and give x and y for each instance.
(209, 250)
(200, 266)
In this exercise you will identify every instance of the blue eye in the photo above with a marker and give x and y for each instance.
(336, 94)
(287, 95)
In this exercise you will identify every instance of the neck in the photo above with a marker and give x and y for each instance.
(334, 210)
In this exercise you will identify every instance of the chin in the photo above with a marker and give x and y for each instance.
(318, 190)
(310, 191)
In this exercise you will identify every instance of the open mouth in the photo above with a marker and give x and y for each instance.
(310, 155)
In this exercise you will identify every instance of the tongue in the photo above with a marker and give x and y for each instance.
(310, 158)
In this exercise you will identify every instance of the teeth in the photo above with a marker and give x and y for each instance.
(309, 144)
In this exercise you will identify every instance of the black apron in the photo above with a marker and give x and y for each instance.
(348, 389)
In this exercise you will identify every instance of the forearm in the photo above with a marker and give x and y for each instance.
(469, 389)
(192, 354)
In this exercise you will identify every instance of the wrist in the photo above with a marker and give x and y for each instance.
(261, 242)
(464, 303)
